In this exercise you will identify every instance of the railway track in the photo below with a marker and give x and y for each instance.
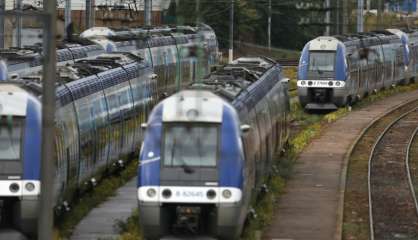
(357, 222)
(393, 207)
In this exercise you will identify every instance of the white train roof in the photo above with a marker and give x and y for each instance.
(324, 44)
(193, 106)
(13, 100)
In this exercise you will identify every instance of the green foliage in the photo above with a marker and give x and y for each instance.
(130, 229)
(250, 21)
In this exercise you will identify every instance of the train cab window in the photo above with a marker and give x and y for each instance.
(322, 61)
(11, 129)
(199, 148)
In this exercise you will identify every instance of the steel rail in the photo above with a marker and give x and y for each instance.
(408, 170)
(386, 130)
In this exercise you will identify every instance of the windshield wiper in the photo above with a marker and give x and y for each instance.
(319, 71)
(186, 168)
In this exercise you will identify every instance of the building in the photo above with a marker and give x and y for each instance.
(406, 6)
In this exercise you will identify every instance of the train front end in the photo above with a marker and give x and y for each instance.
(191, 168)
(322, 74)
(20, 133)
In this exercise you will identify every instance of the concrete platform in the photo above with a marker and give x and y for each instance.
(312, 204)
(100, 222)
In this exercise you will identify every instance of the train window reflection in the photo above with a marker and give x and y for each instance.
(322, 61)
(10, 138)
(190, 145)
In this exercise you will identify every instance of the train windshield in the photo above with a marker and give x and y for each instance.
(190, 145)
(10, 138)
(322, 61)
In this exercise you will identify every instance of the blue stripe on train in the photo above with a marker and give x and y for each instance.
(340, 63)
(232, 161)
(149, 174)
(32, 140)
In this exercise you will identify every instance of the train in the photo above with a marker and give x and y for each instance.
(26, 61)
(101, 102)
(208, 150)
(340, 70)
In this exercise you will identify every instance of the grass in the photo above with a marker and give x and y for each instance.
(130, 229)
(105, 189)
(291, 73)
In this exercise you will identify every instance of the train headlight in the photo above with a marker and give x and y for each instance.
(151, 192)
(226, 193)
(211, 194)
(330, 83)
(310, 83)
(30, 186)
(303, 83)
(337, 84)
(166, 193)
(14, 187)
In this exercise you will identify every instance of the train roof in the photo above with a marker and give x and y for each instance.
(143, 33)
(112, 69)
(230, 80)
(367, 39)
(195, 106)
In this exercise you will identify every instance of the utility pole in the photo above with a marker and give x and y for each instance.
(90, 13)
(360, 9)
(269, 26)
(379, 14)
(327, 17)
(231, 33)
(337, 18)
(19, 24)
(2, 35)
(197, 10)
(45, 223)
(345, 17)
(67, 16)
(147, 12)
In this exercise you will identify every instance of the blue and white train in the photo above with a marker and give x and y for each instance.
(339, 70)
(208, 149)
(101, 103)
(98, 40)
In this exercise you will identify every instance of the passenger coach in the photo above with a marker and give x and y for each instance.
(339, 70)
(209, 149)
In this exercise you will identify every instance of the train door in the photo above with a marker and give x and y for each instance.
(62, 150)
(363, 76)
(158, 58)
(380, 68)
(126, 113)
(171, 69)
(100, 128)
(252, 141)
(114, 123)
(87, 145)
(249, 167)
(262, 121)
(68, 115)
